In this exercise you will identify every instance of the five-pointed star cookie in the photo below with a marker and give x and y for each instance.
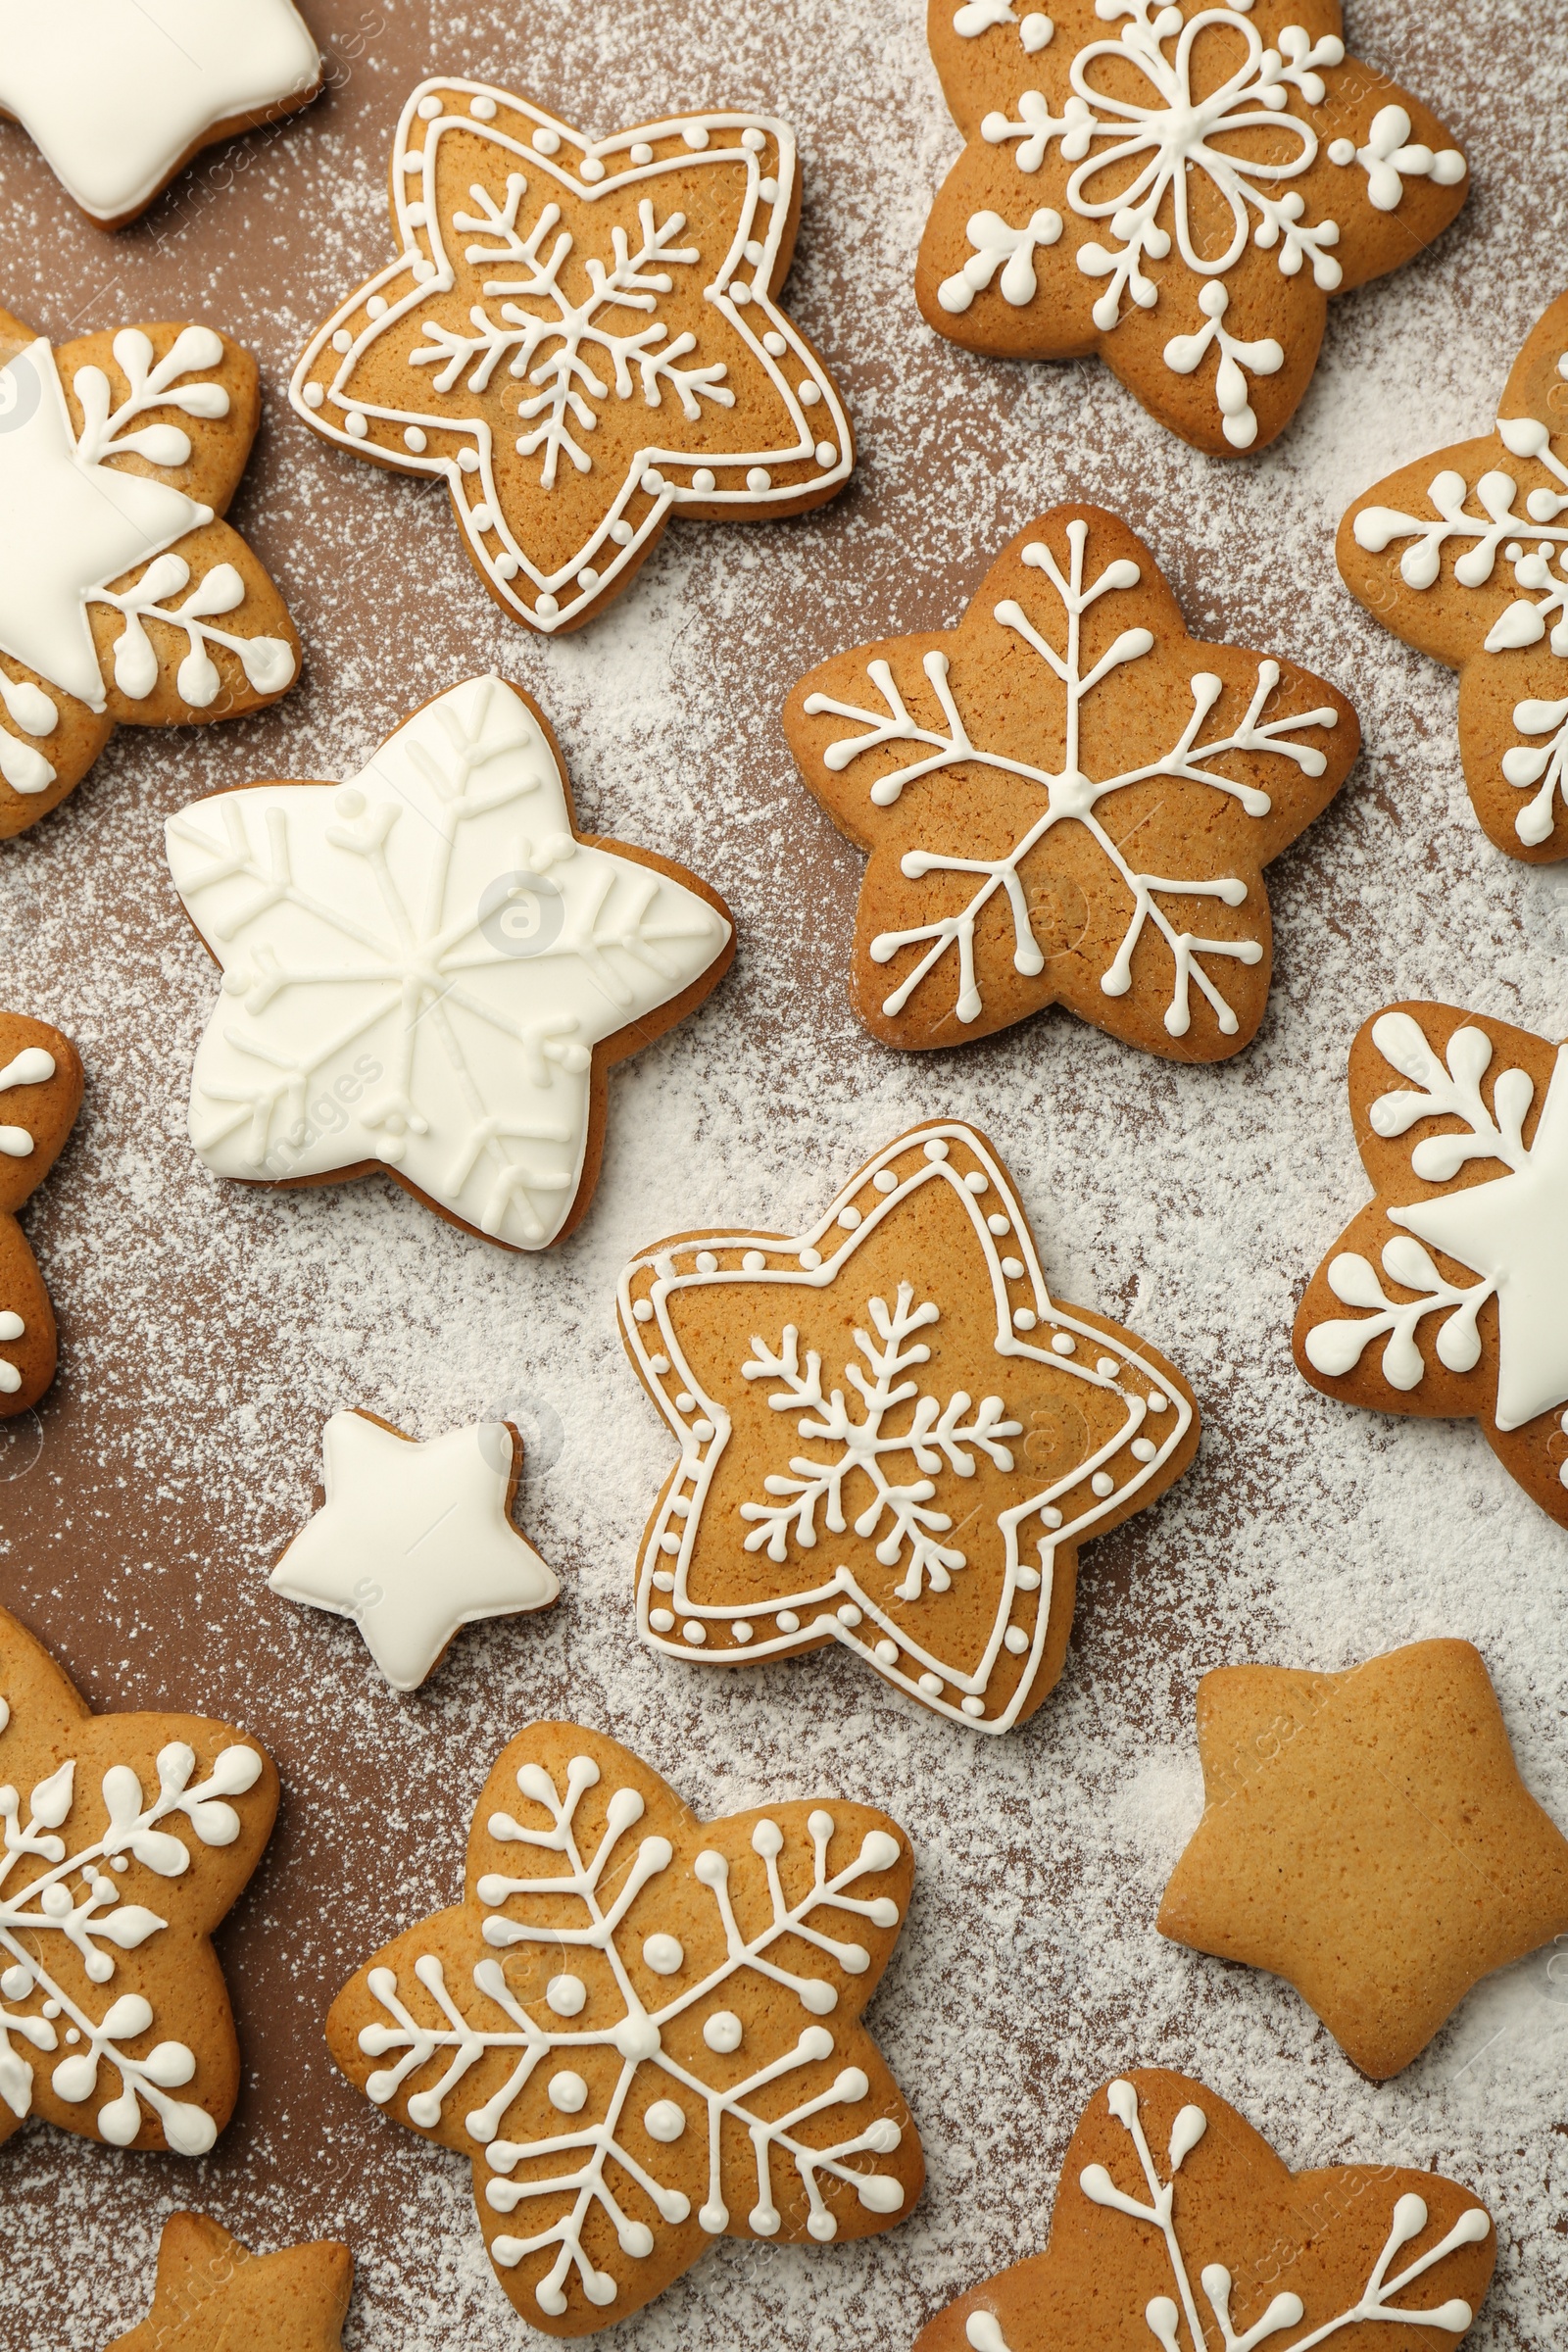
(214, 2295)
(41, 1094)
(118, 455)
(120, 94)
(138, 1835)
(1481, 1328)
(1067, 800)
(1464, 554)
(429, 971)
(414, 1541)
(1179, 188)
(581, 337)
(1177, 2225)
(1366, 1836)
(644, 2029)
(891, 1436)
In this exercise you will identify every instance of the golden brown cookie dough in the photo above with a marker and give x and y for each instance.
(42, 1084)
(214, 2295)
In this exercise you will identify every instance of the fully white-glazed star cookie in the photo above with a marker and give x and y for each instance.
(120, 94)
(414, 1541)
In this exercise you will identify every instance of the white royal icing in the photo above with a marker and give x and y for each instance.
(32, 1067)
(1512, 1231)
(64, 1887)
(576, 354)
(418, 964)
(667, 2091)
(413, 1541)
(912, 1514)
(115, 92)
(1070, 794)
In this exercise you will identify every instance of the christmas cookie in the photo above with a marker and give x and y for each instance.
(214, 2295)
(582, 337)
(1179, 188)
(427, 971)
(643, 2028)
(1366, 1836)
(1458, 1270)
(1464, 554)
(891, 1436)
(41, 1095)
(137, 1837)
(414, 1541)
(119, 96)
(123, 600)
(1067, 799)
(1177, 2225)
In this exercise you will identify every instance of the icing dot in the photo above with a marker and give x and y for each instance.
(416, 217)
(773, 344)
(759, 479)
(546, 142)
(849, 1614)
(621, 533)
(694, 1631)
(468, 460)
(742, 1630)
(643, 1310)
(740, 293)
(704, 479)
(788, 1622)
(1144, 1450)
(1017, 1640)
(665, 1580)
(1102, 1483)
(1024, 1319)
(931, 1685)
(1064, 1344)
(545, 606)
(568, 2091)
(936, 1149)
(413, 438)
(342, 340)
(665, 2120)
(685, 1401)
(754, 253)
(827, 452)
(753, 138)
(885, 1180)
(998, 1225)
(753, 1263)
(706, 1262)
(16, 1984)
(566, 1996)
(71, 2033)
(642, 153)
(722, 2032)
(591, 169)
(653, 482)
(358, 424)
(662, 1621)
(1051, 1515)
(811, 1259)
(1157, 1402)
(848, 1218)
(118, 1862)
(695, 137)
(888, 1652)
(973, 1706)
(1107, 1367)
(481, 517)
(588, 579)
(484, 109)
(504, 566)
(429, 108)
(1012, 1267)
(974, 1182)
(313, 396)
(663, 1954)
(413, 162)
(810, 394)
(1341, 151)
(51, 2009)
(702, 1430)
(1028, 1580)
(768, 189)
(424, 269)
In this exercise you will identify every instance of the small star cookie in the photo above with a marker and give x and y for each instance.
(214, 2295)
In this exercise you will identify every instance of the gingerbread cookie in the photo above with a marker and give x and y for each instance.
(123, 600)
(41, 1094)
(118, 97)
(214, 2295)
(891, 1436)
(1464, 554)
(1179, 188)
(413, 1541)
(1177, 2225)
(644, 2030)
(581, 337)
(1481, 1328)
(1056, 792)
(138, 1836)
(427, 971)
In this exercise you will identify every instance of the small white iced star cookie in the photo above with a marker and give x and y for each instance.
(414, 1541)
(120, 94)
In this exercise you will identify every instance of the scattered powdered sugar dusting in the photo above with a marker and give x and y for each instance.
(209, 1331)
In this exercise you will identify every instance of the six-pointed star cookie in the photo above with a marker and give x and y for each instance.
(1067, 800)
(214, 2295)
(1482, 1328)
(118, 455)
(1367, 1837)
(41, 1094)
(120, 94)
(1177, 2225)
(1464, 554)
(891, 1436)
(582, 337)
(644, 2029)
(427, 971)
(138, 1835)
(414, 1541)
(1179, 188)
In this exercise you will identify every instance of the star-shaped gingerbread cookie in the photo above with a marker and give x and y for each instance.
(214, 2295)
(1067, 800)
(1480, 1328)
(124, 600)
(1464, 554)
(41, 1086)
(1366, 1836)
(582, 337)
(1177, 186)
(120, 94)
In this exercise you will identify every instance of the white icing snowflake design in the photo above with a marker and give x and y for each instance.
(583, 2147)
(64, 1887)
(418, 964)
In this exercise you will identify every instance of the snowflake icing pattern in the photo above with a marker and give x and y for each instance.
(587, 2165)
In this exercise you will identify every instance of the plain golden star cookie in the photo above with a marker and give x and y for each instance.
(214, 2295)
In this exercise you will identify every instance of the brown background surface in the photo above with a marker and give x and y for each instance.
(208, 1332)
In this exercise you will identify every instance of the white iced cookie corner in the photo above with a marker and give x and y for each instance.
(413, 1541)
(116, 92)
(419, 964)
